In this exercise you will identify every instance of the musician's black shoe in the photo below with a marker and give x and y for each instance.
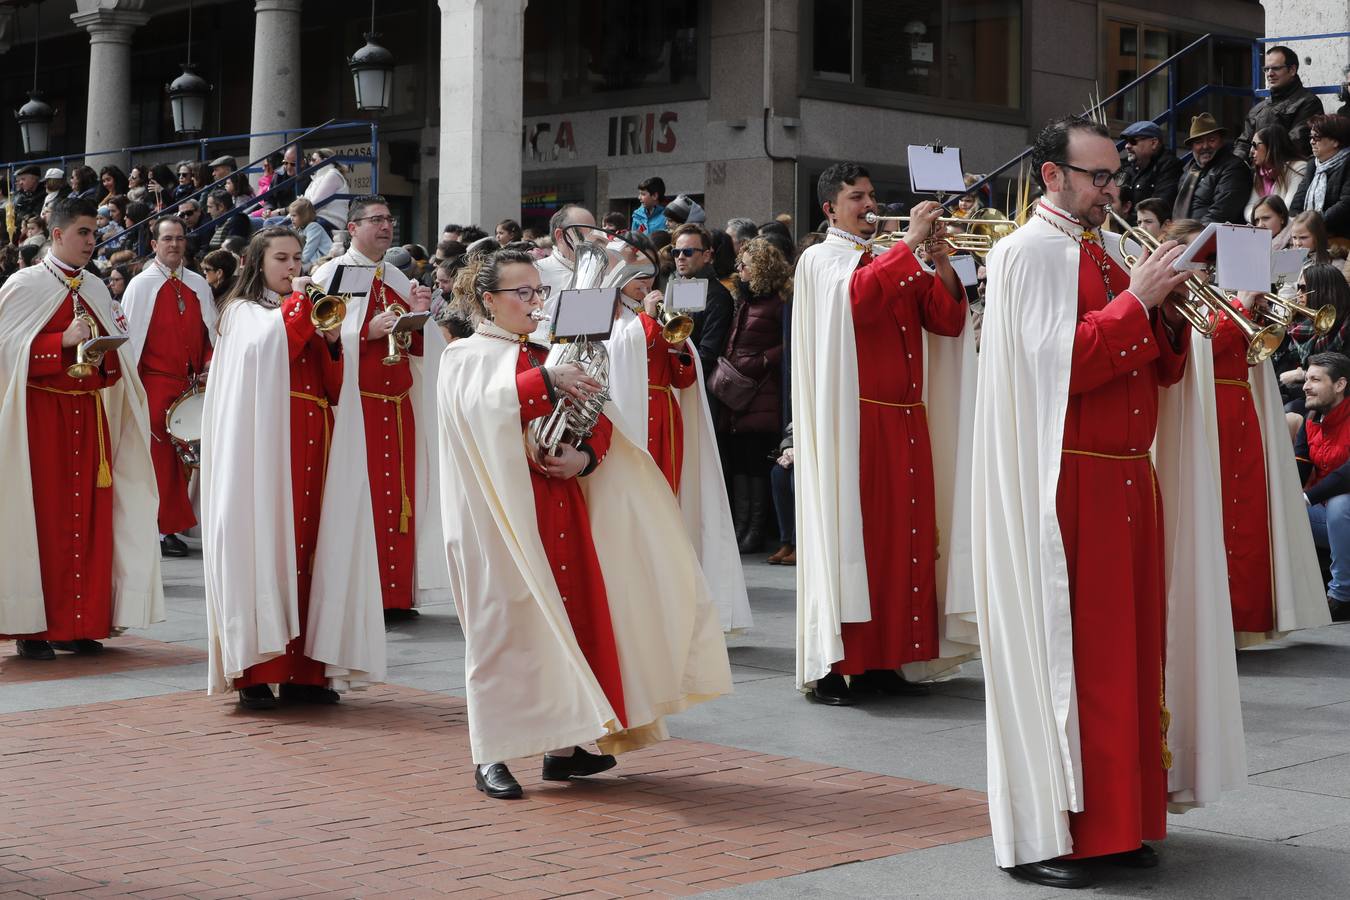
(83, 646)
(1056, 873)
(40, 650)
(308, 693)
(259, 696)
(1145, 857)
(172, 545)
(496, 780)
(886, 681)
(400, 615)
(578, 765)
(832, 690)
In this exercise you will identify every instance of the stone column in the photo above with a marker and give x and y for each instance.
(110, 24)
(482, 90)
(276, 75)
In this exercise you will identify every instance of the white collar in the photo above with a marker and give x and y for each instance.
(51, 254)
(361, 257)
(1064, 221)
(863, 244)
(270, 298)
(167, 272)
(562, 260)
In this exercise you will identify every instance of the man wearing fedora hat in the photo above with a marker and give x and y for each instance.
(1216, 184)
(1155, 172)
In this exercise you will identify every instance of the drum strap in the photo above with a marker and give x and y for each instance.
(104, 472)
(406, 512)
(322, 403)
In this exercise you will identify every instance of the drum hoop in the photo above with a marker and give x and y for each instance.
(187, 395)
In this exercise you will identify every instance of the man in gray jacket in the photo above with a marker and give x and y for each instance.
(1290, 104)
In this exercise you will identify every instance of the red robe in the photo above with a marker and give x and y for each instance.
(894, 300)
(1110, 515)
(391, 454)
(668, 370)
(316, 383)
(1242, 463)
(176, 350)
(67, 438)
(565, 529)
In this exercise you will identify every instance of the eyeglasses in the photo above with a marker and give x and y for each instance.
(187, 212)
(685, 251)
(525, 292)
(376, 220)
(1269, 69)
(1100, 177)
(184, 174)
(1314, 137)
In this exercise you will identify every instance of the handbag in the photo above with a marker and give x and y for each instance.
(734, 389)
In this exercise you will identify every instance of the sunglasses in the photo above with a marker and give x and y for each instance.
(685, 251)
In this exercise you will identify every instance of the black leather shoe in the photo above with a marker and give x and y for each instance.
(83, 646)
(400, 615)
(259, 696)
(886, 681)
(35, 649)
(1056, 873)
(308, 693)
(832, 690)
(172, 545)
(1340, 609)
(1143, 858)
(578, 765)
(497, 782)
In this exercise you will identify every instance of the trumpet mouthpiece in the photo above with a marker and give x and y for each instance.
(539, 315)
(871, 218)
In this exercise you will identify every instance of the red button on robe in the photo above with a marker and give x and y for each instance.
(314, 374)
(176, 349)
(1242, 464)
(894, 300)
(73, 515)
(1111, 518)
(666, 373)
(565, 529)
(390, 459)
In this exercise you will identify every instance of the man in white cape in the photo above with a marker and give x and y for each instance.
(883, 562)
(1079, 606)
(79, 509)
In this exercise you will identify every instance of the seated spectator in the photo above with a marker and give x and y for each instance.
(137, 180)
(183, 188)
(117, 279)
(740, 231)
(1215, 185)
(163, 187)
(327, 185)
(83, 183)
(1326, 186)
(225, 219)
(1323, 446)
(508, 231)
(112, 182)
(1307, 229)
(218, 268)
(106, 232)
(190, 211)
(34, 232)
(1290, 105)
(650, 215)
(314, 237)
(1153, 215)
(1155, 171)
(54, 180)
(271, 165)
(1318, 285)
(221, 167)
(240, 191)
(1271, 214)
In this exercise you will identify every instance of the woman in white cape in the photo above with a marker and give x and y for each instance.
(584, 610)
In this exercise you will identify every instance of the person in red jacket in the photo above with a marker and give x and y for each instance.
(1324, 453)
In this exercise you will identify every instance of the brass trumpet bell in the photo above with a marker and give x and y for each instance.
(398, 343)
(86, 361)
(675, 326)
(326, 310)
(1284, 310)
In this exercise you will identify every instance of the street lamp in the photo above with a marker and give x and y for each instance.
(35, 116)
(372, 71)
(188, 93)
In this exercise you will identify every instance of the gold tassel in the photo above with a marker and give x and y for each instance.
(104, 474)
(404, 515)
(1164, 722)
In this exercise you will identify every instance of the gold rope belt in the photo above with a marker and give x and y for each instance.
(104, 479)
(405, 512)
(670, 410)
(1234, 382)
(1104, 455)
(322, 403)
(893, 405)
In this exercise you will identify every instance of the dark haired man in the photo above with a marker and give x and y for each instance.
(389, 397)
(26, 200)
(693, 252)
(650, 215)
(1067, 539)
(1154, 171)
(79, 503)
(169, 310)
(1324, 441)
(1290, 104)
(868, 507)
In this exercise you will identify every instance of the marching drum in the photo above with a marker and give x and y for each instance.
(183, 421)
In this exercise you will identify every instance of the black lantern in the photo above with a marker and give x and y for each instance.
(373, 73)
(187, 97)
(35, 124)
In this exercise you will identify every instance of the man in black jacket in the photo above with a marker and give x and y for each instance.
(692, 250)
(1154, 171)
(1290, 104)
(26, 198)
(1216, 184)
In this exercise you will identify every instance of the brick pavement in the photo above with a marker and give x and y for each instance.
(120, 654)
(181, 795)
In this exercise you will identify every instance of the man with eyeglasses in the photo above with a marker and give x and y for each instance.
(1155, 171)
(390, 395)
(170, 310)
(1071, 583)
(1290, 104)
(1215, 184)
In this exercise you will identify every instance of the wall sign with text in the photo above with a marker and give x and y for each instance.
(600, 137)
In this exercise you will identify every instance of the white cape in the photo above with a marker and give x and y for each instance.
(703, 493)
(28, 300)
(138, 302)
(529, 688)
(1021, 574)
(832, 568)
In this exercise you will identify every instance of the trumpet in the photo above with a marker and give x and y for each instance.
(675, 326)
(1282, 311)
(398, 343)
(1205, 302)
(974, 242)
(86, 360)
(326, 310)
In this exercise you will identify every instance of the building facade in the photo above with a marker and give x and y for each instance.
(507, 108)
